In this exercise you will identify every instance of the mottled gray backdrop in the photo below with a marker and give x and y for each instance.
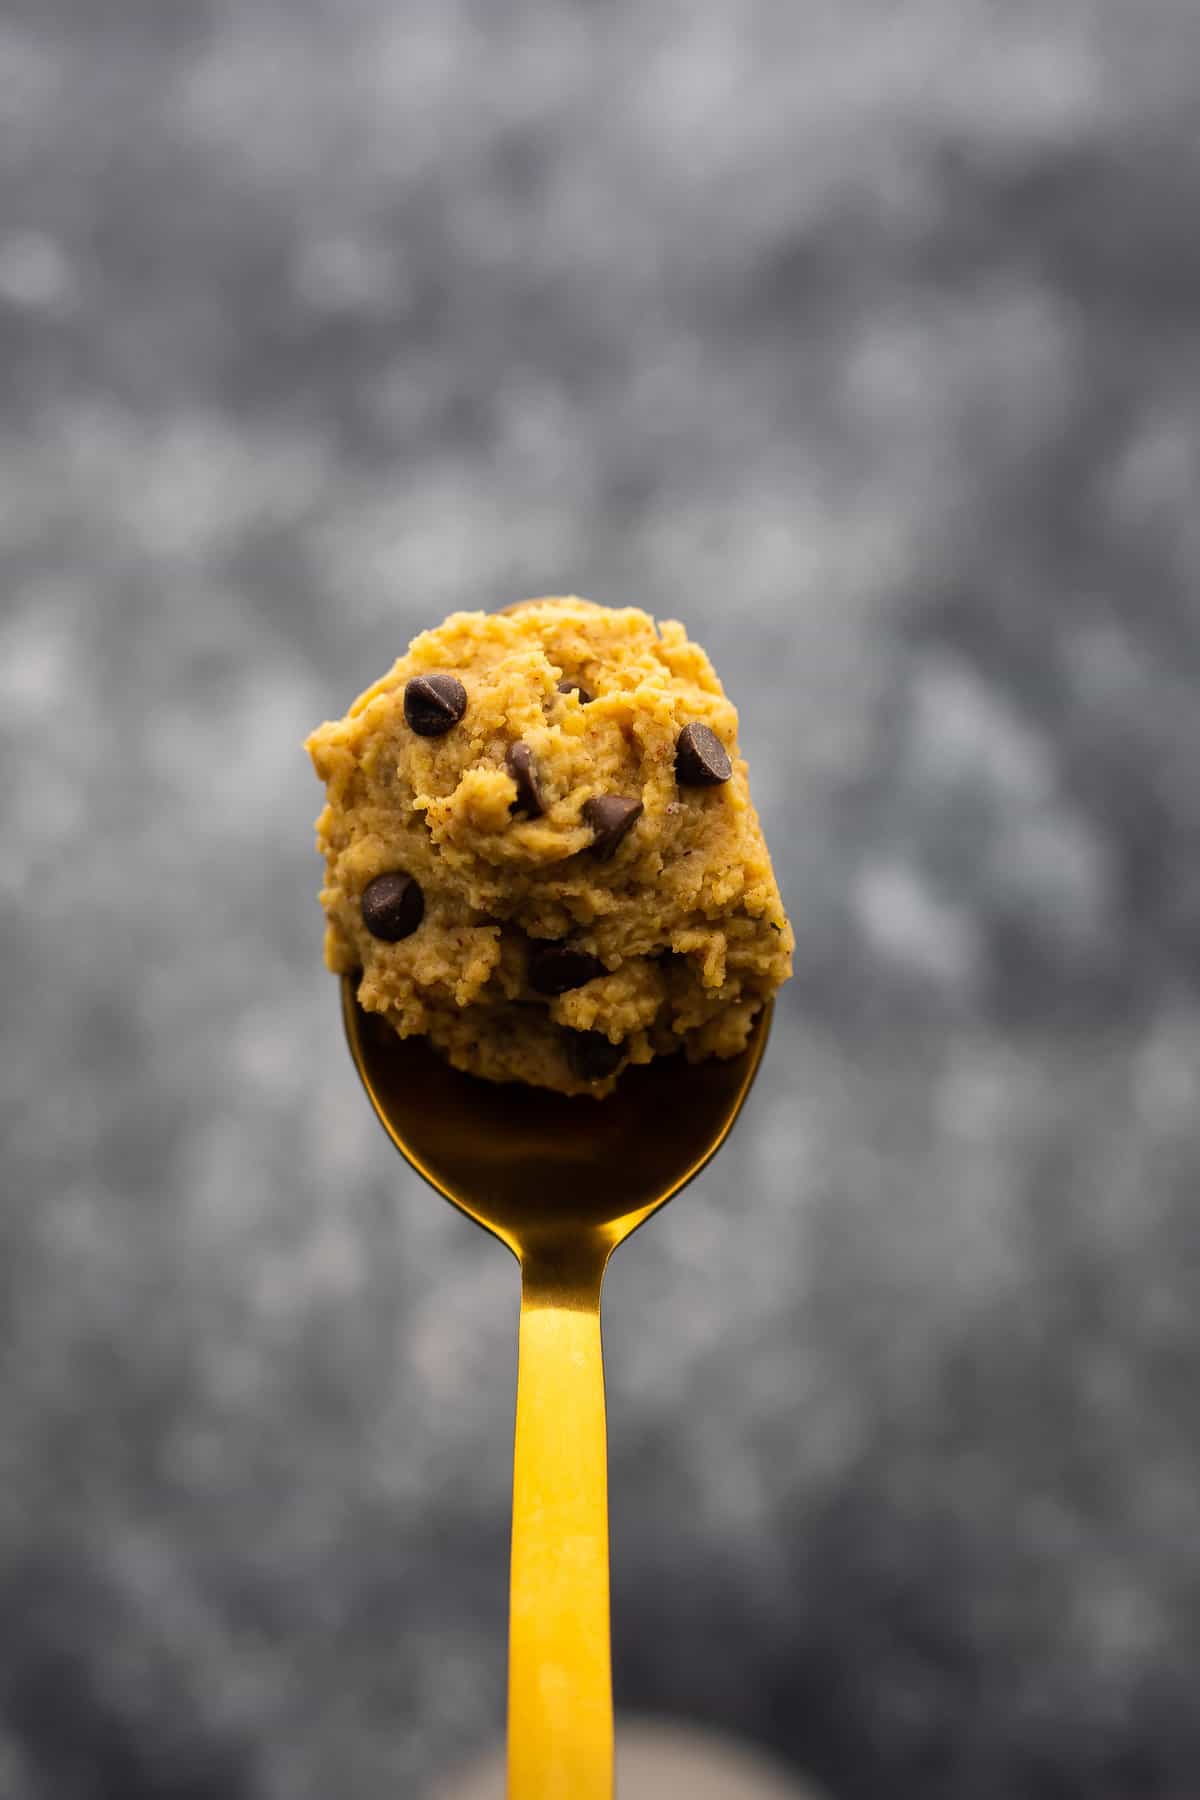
(865, 337)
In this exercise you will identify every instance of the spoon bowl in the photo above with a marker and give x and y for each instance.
(535, 1167)
(561, 1180)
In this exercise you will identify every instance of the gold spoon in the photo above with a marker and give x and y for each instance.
(562, 1182)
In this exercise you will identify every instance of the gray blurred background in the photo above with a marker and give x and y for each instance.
(866, 339)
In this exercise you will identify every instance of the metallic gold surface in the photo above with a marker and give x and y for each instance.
(562, 1182)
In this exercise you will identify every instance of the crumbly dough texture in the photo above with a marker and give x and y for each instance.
(686, 916)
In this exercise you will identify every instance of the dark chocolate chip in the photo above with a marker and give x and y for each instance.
(556, 968)
(393, 906)
(701, 759)
(610, 817)
(590, 1055)
(433, 704)
(575, 687)
(520, 765)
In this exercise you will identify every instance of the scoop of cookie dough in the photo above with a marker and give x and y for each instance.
(541, 850)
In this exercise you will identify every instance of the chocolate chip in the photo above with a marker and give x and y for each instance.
(556, 968)
(701, 759)
(590, 1055)
(393, 906)
(575, 687)
(520, 765)
(433, 704)
(610, 817)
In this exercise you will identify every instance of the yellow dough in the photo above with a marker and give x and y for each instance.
(683, 916)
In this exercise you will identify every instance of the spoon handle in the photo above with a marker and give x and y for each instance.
(560, 1718)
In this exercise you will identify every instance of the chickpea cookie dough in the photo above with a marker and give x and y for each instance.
(541, 851)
